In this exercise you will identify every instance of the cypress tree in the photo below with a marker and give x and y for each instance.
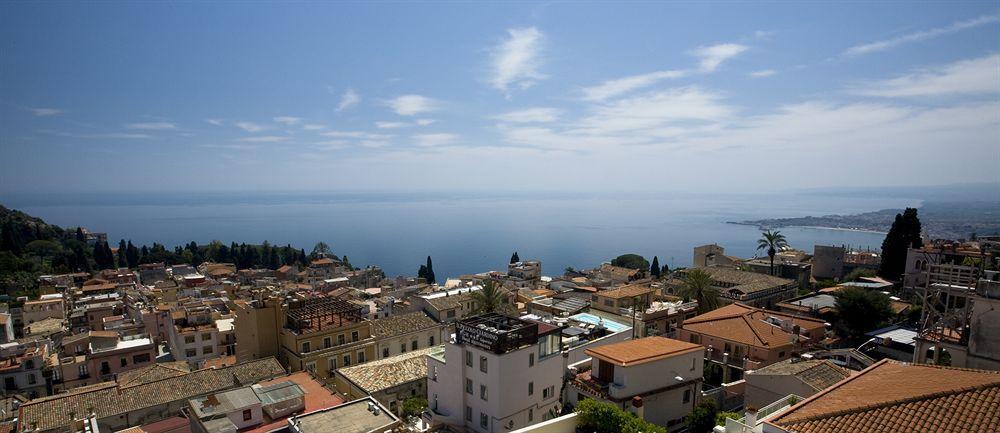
(122, 259)
(514, 258)
(132, 255)
(422, 272)
(79, 235)
(903, 235)
(654, 269)
(430, 271)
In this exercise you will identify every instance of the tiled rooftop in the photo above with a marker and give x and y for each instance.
(388, 372)
(633, 352)
(401, 324)
(627, 291)
(818, 374)
(744, 324)
(892, 396)
(152, 373)
(751, 281)
(53, 412)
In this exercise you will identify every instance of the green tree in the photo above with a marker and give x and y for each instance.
(430, 271)
(132, 255)
(514, 258)
(602, 417)
(414, 406)
(858, 273)
(698, 287)
(10, 239)
(702, 418)
(903, 235)
(860, 310)
(321, 249)
(120, 258)
(631, 261)
(654, 268)
(491, 299)
(772, 242)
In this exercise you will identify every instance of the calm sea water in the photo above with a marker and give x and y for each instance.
(463, 232)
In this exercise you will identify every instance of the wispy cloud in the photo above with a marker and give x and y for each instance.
(118, 135)
(250, 126)
(349, 99)
(151, 125)
(887, 44)
(658, 109)
(288, 120)
(356, 134)
(265, 139)
(531, 115)
(712, 56)
(411, 105)
(313, 127)
(424, 122)
(516, 60)
(612, 88)
(216, 122)
(966, 77)
(43, 112)
(392, 125)
(763, 73)
(431, 140)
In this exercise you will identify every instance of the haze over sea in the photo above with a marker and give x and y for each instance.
(463, 232)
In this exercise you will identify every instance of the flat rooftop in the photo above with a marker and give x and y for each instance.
(350, 417)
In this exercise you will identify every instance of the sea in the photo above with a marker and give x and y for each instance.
(464, 232)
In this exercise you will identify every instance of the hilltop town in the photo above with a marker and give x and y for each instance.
(146, 339)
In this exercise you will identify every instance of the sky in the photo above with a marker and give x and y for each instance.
(386, 96)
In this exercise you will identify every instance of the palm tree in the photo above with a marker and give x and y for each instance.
(491, 299)
(698, 287)
(772, 242)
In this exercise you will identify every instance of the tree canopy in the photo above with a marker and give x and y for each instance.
(631, 261)
(514, 258)
(698, 287)
(654, 268)
(702, 419)
(860, 310)
(602, 417)
(492, 298)
(772, 242)
(903, 235)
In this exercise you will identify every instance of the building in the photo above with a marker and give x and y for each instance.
(389, 380)
(321, 335)
(712, 255)
(407, 332)
(527, 271)
(893, 342)
(740, 337)
(657, 378)
(828, 262)
(449, 305)
(21, 366)
(99, 356)
(889, 396)
(6, 327)
(963, 327)
(364, 415)
(796, 376)
(814, 305)
(257, 325)
(117, 405)
(751, 288)
(618, 298)
(49, 306)
(499, 374)
(194, 335)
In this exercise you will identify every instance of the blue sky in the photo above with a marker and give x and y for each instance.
(500, 97)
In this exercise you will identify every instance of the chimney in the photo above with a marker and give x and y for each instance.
(751, 417)
(637, 407)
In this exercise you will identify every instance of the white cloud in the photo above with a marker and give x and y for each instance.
(425, 122)
(516, 60)
(249, 126)
(264, 139)
(392, 125)
(313, 127)
(713, 56)
(411, 105)
(356, 134)
(531, 115)
(151, 125)
(216, 122)
(349, 99)
(612, 88)
(333, 144)
(657, 109)
(42, 112)
(119, 135)
(288, 120)
(969, 77)
(431, 140)
(887, 44)
(763, 73)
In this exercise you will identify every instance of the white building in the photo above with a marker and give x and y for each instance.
(657, 378)
(498, 374)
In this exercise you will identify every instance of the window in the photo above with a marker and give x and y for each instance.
(687, 396)
(482, 364)
(306, 347)
(311, 367)
(531, 360)
(83, 370)
(402, 347)
(140, 358)
(340, 339)
(781, 354)
(468, 413)
(531, 388)
(531, 414)
(361, 357)
(124, 362)
(188, 339)
(483, 420)
(206, 336)
(29, 364)
(729, 348)
(347, 360)
(332, 362)
(468, 386)
(430, 340)
(451, 314)
(207, 350)
(247, 415)
(327, 342)
(413, 345)
(696, 339)
(547, 393)
(105, 367)
(468, 359)
(482, 392)
(191, 353)
(694, 362)
(385, 352)
(608, 303)
(31, 379)
(354, 335)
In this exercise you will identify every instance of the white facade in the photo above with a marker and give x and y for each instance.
(517, 389)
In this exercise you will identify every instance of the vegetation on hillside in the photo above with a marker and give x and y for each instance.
(631, 261)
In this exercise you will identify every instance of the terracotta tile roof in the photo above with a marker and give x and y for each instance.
(449, 302)
(627, 291)
(401, 324)
(317, 397)
(895, 396)
(818, 374)
(153, 373)
(388, 372)
(747, 282)
(744, 324)
(51, 413)
(633, 352)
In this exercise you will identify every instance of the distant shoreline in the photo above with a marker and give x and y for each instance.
(843, 229)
